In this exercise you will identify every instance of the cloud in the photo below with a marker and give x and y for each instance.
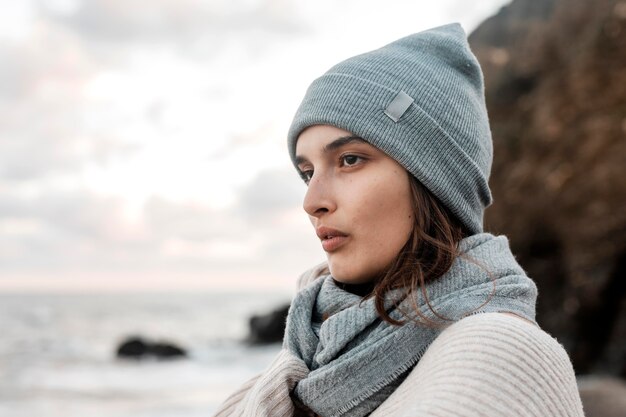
(54, 128)
(61, 229)
(45, 126)
(65, 230)
(180, 20)
(190, 221)
(271, 195)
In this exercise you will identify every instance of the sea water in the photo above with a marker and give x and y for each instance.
(57, 353)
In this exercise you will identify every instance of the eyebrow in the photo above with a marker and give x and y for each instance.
(334, 145)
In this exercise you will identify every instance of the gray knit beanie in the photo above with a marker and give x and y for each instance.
(421, 100)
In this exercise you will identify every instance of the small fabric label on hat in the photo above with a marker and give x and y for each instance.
(398, 106)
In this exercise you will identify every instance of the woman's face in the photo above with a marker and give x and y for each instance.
(358, 200)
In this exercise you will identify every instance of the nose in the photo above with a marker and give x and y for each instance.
(319, 199)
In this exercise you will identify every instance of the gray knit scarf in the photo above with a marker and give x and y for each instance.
(356, 360)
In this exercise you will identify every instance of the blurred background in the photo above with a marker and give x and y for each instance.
(146, 190)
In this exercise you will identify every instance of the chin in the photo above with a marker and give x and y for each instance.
(349, 275)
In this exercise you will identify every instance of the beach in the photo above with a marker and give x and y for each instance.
(57, 356)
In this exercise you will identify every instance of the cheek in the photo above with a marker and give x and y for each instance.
(388, 219)
(396, 226)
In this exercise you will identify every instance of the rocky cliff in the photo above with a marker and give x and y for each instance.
(555, 73)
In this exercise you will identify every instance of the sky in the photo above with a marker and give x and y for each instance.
(143, 143)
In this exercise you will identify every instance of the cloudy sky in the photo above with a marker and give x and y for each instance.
(142, 143)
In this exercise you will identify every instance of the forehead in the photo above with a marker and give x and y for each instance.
(323, 138)
(319, 133)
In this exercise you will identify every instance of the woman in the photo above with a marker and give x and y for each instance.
(395, 148)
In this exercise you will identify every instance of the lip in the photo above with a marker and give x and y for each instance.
(332, 239)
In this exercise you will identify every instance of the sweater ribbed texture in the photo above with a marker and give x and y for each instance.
(491, 365)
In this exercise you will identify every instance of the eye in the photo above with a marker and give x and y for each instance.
(350, 160)
(306, 176)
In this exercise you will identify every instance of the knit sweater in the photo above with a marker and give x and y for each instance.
(489, 364)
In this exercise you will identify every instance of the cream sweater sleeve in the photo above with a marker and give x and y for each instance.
(489, 365)
(267, 395)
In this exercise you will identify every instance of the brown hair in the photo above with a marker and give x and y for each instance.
(429, 253)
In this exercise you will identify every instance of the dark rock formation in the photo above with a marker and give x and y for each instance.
(132, 348)
(602, 396)
(166, 350)
(138, 348)
(268, 328)
(555, 73)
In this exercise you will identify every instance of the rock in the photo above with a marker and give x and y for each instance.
(555, 77)
(132, 348)
(268, 328)
(166, 351)
(137, 348)
(603, 396)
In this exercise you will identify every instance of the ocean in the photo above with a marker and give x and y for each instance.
(57, 353)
